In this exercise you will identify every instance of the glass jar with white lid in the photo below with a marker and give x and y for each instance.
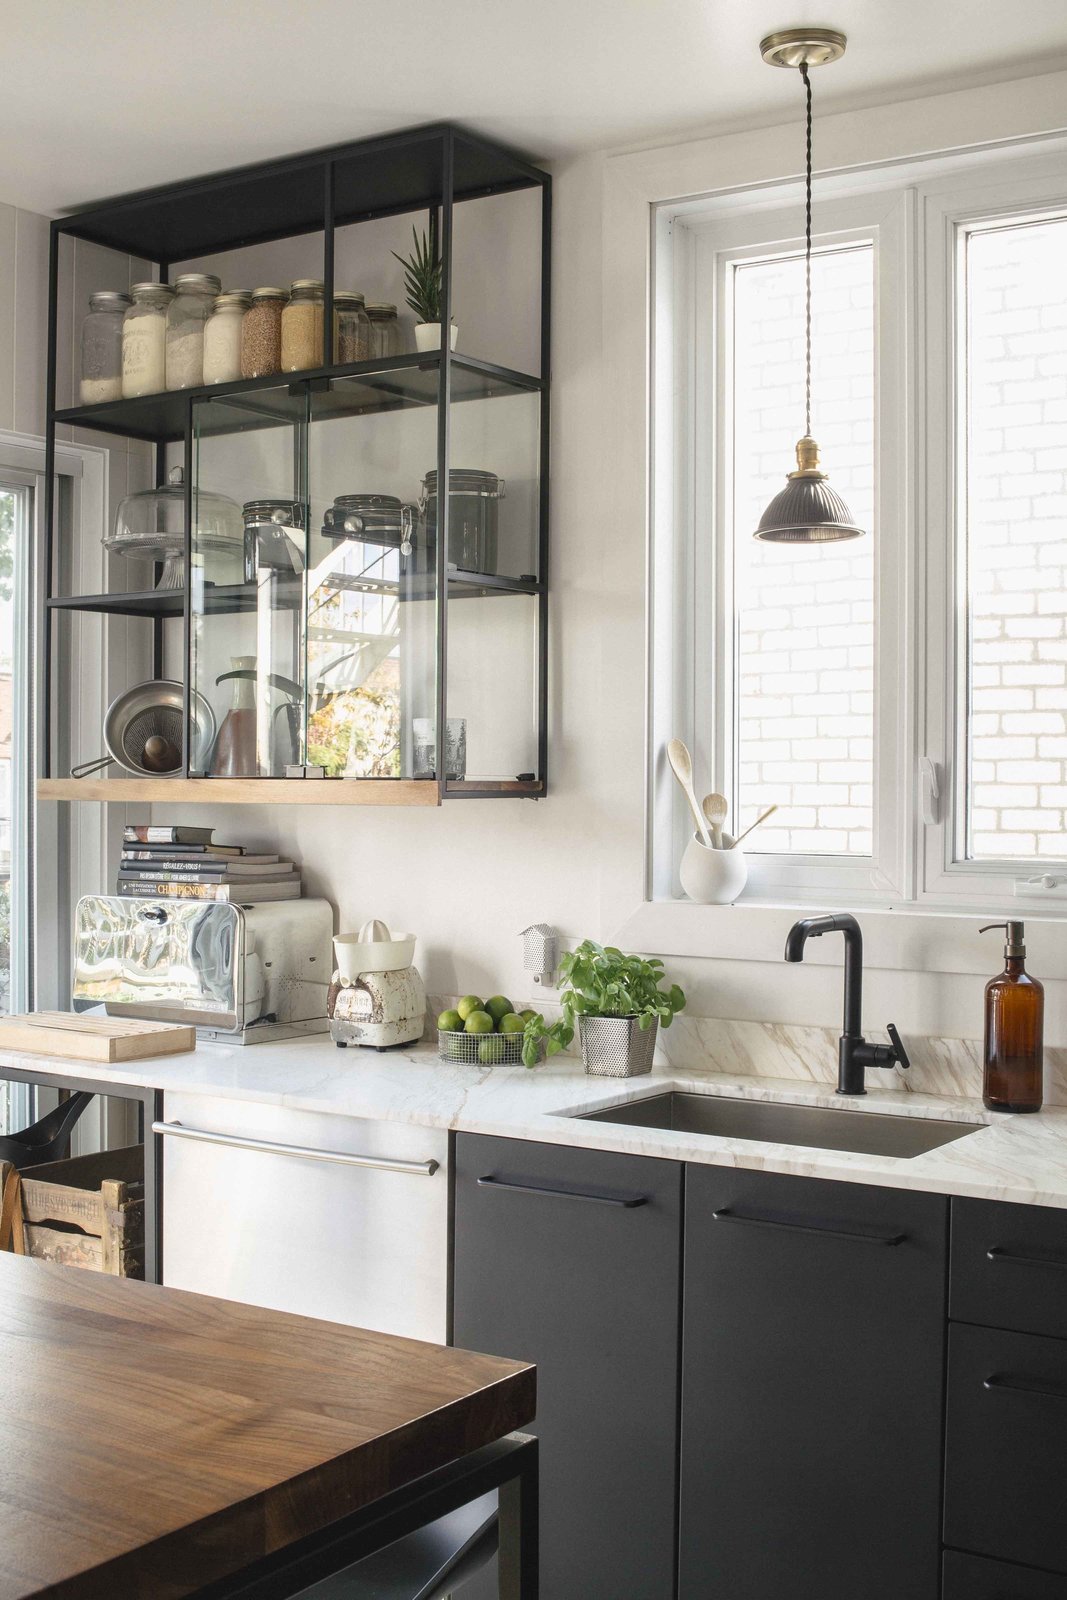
(222, 337)
(144, 340)
(194, 297)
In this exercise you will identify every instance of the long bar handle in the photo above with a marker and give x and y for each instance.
(627, 1201)
(997, 1253)
(339, 1158)
(1010, 1386)
(726, 1215)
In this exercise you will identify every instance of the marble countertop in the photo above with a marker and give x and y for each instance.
(1014, 1158)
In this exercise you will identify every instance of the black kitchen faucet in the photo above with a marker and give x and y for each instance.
(853, 1051)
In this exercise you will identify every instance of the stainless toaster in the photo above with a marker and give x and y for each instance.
(242, 973)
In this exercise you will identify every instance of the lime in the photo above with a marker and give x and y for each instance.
(479, 1022)
(491, 1051)
(450, 1022)
(511, 1023)
(529, 1014)
(469, 1003)
(499, 1006)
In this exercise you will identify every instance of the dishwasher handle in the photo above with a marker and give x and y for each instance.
(340, 1158)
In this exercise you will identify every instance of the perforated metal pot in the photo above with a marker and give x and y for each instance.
(616, 1047)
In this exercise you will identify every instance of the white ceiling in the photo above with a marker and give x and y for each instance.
(112, 95)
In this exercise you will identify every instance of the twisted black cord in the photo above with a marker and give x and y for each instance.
(807, 257)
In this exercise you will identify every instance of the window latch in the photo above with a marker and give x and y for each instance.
(929, 790)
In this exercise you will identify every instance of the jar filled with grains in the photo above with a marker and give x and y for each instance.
(384, 330)
(351, 327)
(261, 334)
(302, 326)
(194, 297)
(144, 340)
(222, 337)
(101, 375)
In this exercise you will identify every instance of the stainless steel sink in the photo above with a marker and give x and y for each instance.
(871, 1133)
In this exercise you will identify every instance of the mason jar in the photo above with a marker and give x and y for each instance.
(261, 333)
(351, 327)
(302, 325)
(384, 330)
(101, 372)
(222, 337)
(144, 340)
(194, 297)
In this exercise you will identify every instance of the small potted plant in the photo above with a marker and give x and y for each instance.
(618, 1002)
(422, 279)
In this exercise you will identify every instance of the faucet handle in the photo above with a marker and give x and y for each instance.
(898, 1046)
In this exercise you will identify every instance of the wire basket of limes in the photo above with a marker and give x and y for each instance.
(486, 1034)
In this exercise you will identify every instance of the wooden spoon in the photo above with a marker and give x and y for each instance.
(682, 767)
(762, 818)
(715, 811)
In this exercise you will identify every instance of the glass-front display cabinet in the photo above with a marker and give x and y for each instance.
(332, 579)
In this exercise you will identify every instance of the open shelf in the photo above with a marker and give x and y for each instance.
(222, 598)
(244, 791)
(355, 389)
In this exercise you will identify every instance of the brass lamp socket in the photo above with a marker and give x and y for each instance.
(807, 459)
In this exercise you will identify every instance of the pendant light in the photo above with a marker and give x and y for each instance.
(807, 511)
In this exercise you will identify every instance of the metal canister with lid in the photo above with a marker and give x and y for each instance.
(381, 520)
(274, 537)
(473, 509)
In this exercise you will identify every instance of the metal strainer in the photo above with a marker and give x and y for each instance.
(143, 731)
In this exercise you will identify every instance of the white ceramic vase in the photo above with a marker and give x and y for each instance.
(713, 877)
(428, 336)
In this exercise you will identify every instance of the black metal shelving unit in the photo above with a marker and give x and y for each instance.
(429, 169)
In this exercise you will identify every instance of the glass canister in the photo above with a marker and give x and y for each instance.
(351, 327)
(144, 340)
(101, 375)
(194, 297)
(222, 337)
(302, 326)
(384, 330)
(473, 513)
(261, 334)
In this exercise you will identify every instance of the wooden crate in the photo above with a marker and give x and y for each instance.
(88, 1211)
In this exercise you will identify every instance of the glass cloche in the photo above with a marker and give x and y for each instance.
(150, 526)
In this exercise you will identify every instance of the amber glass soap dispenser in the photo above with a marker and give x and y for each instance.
(1014, 1031)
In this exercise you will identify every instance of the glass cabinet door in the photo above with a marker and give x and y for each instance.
(247, 637)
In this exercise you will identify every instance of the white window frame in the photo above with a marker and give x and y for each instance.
(915, 214)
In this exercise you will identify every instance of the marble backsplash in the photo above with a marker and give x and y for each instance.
(784, 1050)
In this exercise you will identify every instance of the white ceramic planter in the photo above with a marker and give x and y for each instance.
(713, 877)
(428, 336)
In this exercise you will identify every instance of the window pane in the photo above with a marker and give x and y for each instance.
(1014, 541)
(804, 679)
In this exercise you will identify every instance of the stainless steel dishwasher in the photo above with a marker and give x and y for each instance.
(326, 1216)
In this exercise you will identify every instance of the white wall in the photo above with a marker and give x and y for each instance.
(468, 877)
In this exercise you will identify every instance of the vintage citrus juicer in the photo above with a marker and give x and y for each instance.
(376, 996)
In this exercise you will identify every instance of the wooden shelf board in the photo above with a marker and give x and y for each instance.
(244, 791)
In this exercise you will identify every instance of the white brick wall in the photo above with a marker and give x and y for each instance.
(1016, 540)
(804, 614)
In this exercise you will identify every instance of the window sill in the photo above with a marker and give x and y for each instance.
(912, 938)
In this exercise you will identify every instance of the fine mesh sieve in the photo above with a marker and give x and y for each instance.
(143, 731)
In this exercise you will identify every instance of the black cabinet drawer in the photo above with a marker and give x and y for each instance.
(1006, 1446)
(811, 1389)
(1009, 1266)
(572, 1259)
(976, 1578)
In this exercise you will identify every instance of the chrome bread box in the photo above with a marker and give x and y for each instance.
(242, 973)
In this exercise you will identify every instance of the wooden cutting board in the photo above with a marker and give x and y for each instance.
(81, 1038)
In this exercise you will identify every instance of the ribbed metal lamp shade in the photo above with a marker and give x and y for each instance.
(807, 511)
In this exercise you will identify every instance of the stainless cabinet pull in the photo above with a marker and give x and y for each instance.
(628, 1201)
(726, 1215)
(339, 1158)
(997, 1253)
(1013, 1386)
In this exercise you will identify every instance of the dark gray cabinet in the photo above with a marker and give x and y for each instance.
(975, 1578)
(571, 1258)
(811, 1389)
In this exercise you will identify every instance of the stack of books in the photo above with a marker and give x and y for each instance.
(161, 863)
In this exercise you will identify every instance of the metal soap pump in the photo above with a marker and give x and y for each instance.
(1013, 1055)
